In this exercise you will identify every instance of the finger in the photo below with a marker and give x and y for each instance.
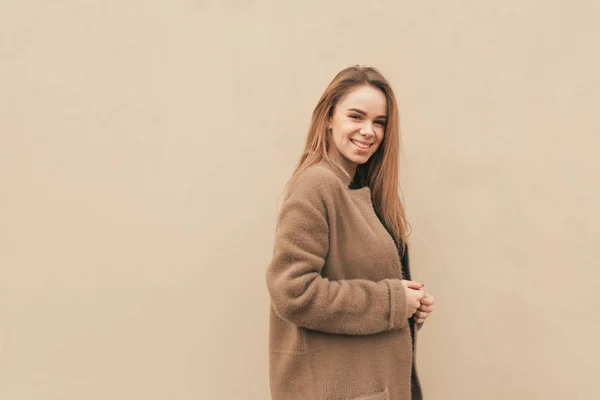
(419, 320)
(414, 285)
(421, 314)
(425, 308)
(417, 294)
(429, 300)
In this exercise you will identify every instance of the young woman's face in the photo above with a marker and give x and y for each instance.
(357, 126)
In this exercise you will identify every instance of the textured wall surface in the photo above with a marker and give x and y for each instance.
(144, 144)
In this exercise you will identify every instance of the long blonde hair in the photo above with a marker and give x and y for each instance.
(380, 172)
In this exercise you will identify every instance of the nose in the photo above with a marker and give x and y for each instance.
(367, 129)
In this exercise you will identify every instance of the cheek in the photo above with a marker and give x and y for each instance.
(344, 133)
(346, 128)
(379, 142)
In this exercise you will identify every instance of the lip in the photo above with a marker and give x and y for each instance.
(361, 142)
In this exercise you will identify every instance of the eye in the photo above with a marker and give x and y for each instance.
(382, 123)
(355, 116)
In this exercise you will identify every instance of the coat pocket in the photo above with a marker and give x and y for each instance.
(385, 395)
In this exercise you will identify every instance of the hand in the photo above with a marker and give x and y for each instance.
(414, 294)
(426, 308)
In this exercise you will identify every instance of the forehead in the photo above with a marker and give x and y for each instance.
(365, 97)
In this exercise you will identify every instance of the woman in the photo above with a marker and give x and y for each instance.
(344, 311)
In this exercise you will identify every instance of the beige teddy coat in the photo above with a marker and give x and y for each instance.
(338, 321)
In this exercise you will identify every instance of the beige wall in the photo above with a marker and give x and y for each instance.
(143, 145)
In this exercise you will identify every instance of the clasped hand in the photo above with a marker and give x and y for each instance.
(418, 302)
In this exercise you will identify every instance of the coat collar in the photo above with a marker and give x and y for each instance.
(339, 171)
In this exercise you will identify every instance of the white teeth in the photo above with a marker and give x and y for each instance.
(362, 146)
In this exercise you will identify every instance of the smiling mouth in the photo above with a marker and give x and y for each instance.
(360, 145)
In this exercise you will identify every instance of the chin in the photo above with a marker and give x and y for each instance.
(360, 160)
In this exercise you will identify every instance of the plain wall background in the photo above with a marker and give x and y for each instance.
(144, 144)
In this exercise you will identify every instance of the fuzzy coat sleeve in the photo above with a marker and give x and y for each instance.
(300, 295)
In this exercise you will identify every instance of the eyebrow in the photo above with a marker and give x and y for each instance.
(364, 113)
